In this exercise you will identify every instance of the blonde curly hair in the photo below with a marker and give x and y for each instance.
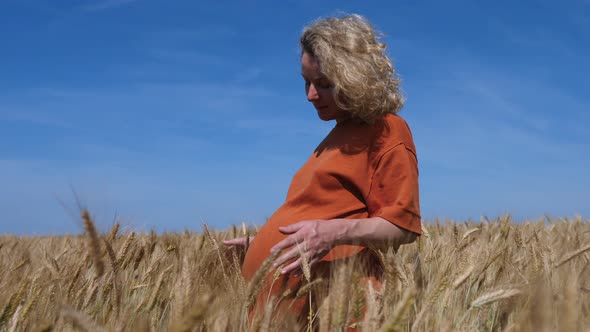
(353, 59)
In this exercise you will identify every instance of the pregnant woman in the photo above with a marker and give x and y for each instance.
(359, 188)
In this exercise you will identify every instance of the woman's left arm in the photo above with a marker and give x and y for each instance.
(315, 238)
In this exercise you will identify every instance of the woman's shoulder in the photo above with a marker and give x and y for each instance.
(391, 131)
(355, 136)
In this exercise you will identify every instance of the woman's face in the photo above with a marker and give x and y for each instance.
(319, 90)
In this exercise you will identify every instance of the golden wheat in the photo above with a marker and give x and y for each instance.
(493, 275)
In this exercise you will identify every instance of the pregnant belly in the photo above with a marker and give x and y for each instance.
(269, 235)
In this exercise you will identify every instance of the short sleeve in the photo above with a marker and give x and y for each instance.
(393, 194)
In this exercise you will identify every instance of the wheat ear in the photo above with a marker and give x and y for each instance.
(266, 319)
(494, 296)
(461, 279)
(308, 287)
(13, 303)
(93, 243)
(196, 315)
(257, 280)
(218, 251)
(125, 248)
(154, 295)
(568, 257)
(113, 233)
(401, 309)
(81, 320)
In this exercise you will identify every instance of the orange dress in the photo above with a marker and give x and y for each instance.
(358, 171)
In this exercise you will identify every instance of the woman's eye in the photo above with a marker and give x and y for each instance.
(325, 84)
(322, 84)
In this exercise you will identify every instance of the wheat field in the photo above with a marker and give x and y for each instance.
(492, 275)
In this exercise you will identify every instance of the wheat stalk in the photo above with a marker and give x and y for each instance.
(113, 233)
(93, 243)
(153, 297)
(257, 280)
(568, 257)
(548, 289)
(15, 319)
(31, 303)
(125, 248)
(461, 279)
(371, 319)
(138, 258)
(218, 251)
(309, 287)
(13, 303)
(81, 320)
(93, 289)
(341, 287)
(196, 315)
(266, 318)
(401, 310)
(494, 296)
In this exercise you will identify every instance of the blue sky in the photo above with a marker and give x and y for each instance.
(173, 113)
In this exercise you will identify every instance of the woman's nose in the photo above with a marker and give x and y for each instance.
(312, 93)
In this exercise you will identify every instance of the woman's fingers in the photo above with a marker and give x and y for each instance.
(290, 229)
(240, 241)
(289, 255)
(291, 267)
(313, 261)
(235, 242)
(297, 264)
(287, 242)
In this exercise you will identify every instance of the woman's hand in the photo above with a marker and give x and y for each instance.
(239, 243)
(310, 240)
(237, 248)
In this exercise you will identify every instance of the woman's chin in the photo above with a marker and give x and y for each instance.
(326, 116)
